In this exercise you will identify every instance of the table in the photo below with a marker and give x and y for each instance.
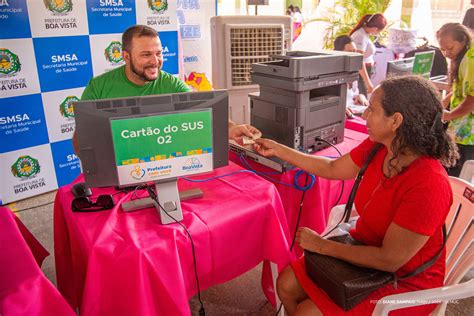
(116, 263)
(356, 123)
(320, 198)
(24, 290)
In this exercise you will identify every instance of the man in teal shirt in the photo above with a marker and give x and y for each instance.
(142, 75)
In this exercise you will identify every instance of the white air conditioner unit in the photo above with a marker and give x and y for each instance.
(237, 43)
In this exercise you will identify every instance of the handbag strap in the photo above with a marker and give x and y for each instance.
(350, 201)
(348, 211)
(427, 264)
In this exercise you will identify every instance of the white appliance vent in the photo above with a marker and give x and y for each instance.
(251, 44)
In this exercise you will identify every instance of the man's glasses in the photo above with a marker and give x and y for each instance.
(85, 204)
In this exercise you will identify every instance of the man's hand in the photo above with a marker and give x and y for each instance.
(236, 131)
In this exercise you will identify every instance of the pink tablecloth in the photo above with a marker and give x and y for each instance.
(356, 123)
(116, 263)
(320, 198)
(24, 290)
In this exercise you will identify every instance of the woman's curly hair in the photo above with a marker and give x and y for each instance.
(422, 130)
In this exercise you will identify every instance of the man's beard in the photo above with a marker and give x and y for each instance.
(141, 74)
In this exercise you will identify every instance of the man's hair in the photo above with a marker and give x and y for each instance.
(136, 31)
(341, 41)
(421, 131)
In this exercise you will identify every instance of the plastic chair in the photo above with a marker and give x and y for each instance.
(459, 254)
(467, 171)
(459, 258)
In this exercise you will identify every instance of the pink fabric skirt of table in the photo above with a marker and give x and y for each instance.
(116, 263)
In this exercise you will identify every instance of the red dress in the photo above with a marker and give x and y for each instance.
(418, 199)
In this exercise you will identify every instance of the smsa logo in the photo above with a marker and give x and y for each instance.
(113, 53)
(25, 167)
(67, 106)
(9, 63)
(137, 173)
(192, 164)
(60, 7)
(158, 6)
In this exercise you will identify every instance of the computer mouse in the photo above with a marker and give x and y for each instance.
(80, 189)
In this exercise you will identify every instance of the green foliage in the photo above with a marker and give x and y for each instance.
(342, 21)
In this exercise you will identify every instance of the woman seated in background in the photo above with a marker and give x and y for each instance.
(456, 44)
(369, 24)
(355, 102)
(403, 199)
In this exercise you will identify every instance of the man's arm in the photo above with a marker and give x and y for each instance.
(236, 131)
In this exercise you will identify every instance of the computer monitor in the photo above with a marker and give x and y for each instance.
(130, 141)
(400, 67)
(421, 64)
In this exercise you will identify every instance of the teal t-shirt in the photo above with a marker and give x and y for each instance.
(114, 84)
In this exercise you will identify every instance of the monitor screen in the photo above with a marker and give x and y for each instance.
(115, 135)
(400, 67)
(423, 63)
(162, 146)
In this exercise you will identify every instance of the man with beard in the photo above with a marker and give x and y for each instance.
(142, 75)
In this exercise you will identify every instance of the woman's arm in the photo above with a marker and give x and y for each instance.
(340, 168)
(447, 99)
(365, 76)
(466, 107)
(399, 246)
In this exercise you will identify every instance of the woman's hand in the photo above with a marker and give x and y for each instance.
(349, 113)
(360, 99)
(310, 240)
(446, 100)
(266, 147)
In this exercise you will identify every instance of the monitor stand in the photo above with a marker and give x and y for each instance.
(169, 203)
(169, 198)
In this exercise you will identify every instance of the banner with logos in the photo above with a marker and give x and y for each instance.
(194, 20)
(49, 50)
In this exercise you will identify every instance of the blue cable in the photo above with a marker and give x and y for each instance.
(295, 180)
(265, 175)
(216, 177)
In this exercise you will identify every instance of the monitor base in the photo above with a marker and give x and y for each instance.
(164, 197)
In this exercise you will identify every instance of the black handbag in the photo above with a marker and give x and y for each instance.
(345, 283)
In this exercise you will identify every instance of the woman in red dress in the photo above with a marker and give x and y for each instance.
(403, 199)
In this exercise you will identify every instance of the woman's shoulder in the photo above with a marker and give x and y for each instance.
(361, 152)
(360, 33)
(429, 172)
